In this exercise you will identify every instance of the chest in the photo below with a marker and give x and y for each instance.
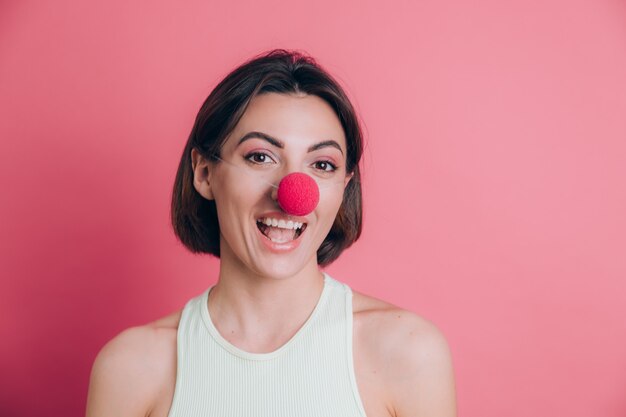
(369, 368)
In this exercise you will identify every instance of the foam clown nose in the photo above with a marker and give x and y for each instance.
(298, 194)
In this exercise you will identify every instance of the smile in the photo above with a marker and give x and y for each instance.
(280, 231)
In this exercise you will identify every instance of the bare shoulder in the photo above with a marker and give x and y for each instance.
(412, 357)
(393, 321)
(134, 369)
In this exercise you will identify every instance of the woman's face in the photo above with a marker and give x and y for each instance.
(294, 133)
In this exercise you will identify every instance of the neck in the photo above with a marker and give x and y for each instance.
(256, 310)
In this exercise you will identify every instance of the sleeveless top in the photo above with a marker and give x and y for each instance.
(311, 375)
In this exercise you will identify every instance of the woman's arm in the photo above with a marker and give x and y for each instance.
(124, 378)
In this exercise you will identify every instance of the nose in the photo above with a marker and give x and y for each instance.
(297, 194)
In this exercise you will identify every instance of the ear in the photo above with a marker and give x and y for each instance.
(347, 179)
(201, 174)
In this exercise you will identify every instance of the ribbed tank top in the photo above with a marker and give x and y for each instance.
(311, 375)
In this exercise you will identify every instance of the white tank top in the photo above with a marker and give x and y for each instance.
(312, 375)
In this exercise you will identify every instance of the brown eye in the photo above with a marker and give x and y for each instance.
(259, 158)
(326, 166)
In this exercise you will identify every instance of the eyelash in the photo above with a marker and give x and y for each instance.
(253, 154)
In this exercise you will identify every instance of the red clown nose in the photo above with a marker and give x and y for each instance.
(298, 194)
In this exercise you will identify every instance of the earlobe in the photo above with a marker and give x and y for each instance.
(201, 174)
(347, 179)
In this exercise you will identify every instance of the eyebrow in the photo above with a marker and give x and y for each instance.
(281, 145)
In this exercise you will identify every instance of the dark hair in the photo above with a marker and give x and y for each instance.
(194, 218)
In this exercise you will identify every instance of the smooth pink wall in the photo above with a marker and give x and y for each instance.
(494, 185)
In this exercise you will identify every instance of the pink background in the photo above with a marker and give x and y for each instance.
(494, 181)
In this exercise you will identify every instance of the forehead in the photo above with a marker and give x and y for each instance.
(297, 120)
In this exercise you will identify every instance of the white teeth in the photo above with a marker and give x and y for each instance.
(281, 223)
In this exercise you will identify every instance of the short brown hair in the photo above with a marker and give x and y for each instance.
(194, 218)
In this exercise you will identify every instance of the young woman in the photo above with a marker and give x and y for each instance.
(276, 336)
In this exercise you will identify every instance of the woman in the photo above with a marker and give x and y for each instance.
(275, 336)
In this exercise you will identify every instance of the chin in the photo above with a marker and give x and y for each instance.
(280, 270)
(283, 268)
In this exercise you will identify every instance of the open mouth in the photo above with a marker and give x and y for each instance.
(280, 231)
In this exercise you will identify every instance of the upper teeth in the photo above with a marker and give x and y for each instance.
(281, 223)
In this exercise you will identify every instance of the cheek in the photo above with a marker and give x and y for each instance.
(234, 199)
(241, 187)
(332, 198)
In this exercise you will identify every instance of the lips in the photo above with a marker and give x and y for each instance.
(282, 233)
